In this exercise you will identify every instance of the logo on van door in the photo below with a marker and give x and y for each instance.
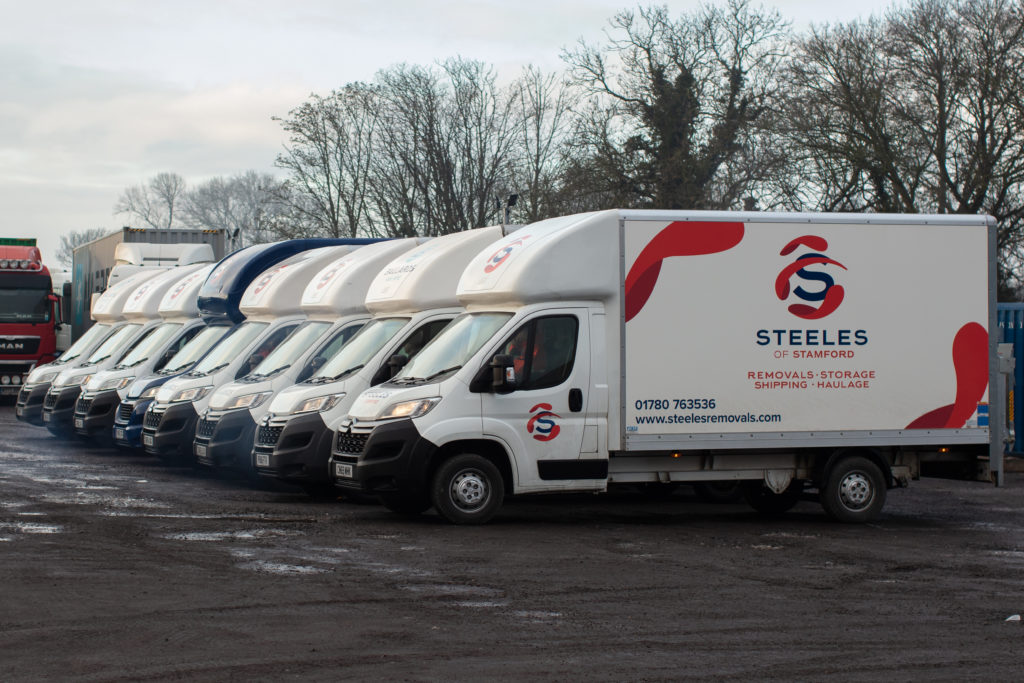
(828, 295)
(542, 425)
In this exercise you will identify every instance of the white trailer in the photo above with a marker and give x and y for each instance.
(832, 351)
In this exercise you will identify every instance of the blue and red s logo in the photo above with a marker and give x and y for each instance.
(830, 296)
(498, 257)
(542, 425)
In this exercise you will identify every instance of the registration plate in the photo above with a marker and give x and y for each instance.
(342, 470)
(200, 450)
(79, 422)
(118, 433)
(19, 411)
(262, 460)
(47, 416)
(147, 439)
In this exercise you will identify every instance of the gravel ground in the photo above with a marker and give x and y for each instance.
(114, 567)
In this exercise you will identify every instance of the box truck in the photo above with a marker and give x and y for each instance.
(270, 308)
(333, 304)
(102, 394)
(411, 300)
(781, 350)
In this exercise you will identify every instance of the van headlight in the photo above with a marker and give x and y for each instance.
(72, 381)
(246, 401)
(42, 375)
(193, 394)
(409, 409)
(115, 383)
(149, 393)
(318, 404)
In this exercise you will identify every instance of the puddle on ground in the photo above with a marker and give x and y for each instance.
(32, 527)
(483, 604)
(537, 616)
(281, 568)
(245, 534)
(450, 589)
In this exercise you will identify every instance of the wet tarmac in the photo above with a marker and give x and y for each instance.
(114, 567)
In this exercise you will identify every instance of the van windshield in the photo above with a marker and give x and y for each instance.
(113, 343)
(454, 346)
(153, 343)
(297, 343)
(231, 348)
(91, 336)
(195, 349)
(358, 352)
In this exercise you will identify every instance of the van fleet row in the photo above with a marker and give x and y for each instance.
(451, 372)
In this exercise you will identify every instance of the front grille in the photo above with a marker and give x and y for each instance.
(347, 442)
(153, 419)
(204, 430)
(51, 400)
(124, 412)
(268, 436)
(82, 406)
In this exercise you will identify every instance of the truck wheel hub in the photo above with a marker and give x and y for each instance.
(855, 490)
(469, 489)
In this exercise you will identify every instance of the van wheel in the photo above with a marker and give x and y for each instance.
(467, 489)
(404, 504)
(767, 502)
(854, 490)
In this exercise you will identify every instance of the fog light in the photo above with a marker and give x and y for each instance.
(15, 379)
(5, 379)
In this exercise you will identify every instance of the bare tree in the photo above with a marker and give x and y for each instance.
(246, 206)
(155, 202)
(76, 238)
(675, 100)
(328, 157)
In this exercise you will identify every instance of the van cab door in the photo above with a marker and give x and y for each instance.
(543, 419)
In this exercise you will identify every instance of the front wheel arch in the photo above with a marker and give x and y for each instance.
(491, 450)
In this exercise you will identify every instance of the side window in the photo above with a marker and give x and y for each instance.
(173, 349)
(264, 349)
(543, 351)
(411, 346)
(327, 351)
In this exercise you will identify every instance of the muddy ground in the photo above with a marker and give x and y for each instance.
(113, 567)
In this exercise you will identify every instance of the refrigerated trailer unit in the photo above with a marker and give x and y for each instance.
(781, 350)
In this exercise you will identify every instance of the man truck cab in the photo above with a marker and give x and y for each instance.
(411, 300)
(101, 396)
(270, 307)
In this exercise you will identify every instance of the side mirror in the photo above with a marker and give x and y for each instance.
(317, 363)
(503, 374)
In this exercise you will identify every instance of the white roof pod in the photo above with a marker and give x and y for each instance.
(180, 301)
(278, 291)
(108, 306)
(144, 302)
(426, 277)
(553, 260)
(340, 288)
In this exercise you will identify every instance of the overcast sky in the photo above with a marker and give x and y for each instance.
(98, 95)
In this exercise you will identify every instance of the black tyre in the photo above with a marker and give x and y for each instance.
(404, 504)
(854, 490)
(767, 502)
(719, 491)
(467, 489)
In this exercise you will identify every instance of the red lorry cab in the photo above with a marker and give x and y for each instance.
(29, 313)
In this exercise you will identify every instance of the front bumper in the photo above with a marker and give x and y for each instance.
(94, 413)
(127, 430)
(296, 450)
(224, 439)
(29, 407)
(167, 432)
(385, 458)
(59, 409)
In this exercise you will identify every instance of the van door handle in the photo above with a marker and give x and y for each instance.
(575, 400)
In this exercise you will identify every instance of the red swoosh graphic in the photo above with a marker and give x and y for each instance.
(970, 363)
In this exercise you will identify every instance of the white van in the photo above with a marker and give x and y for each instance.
(411, 299)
